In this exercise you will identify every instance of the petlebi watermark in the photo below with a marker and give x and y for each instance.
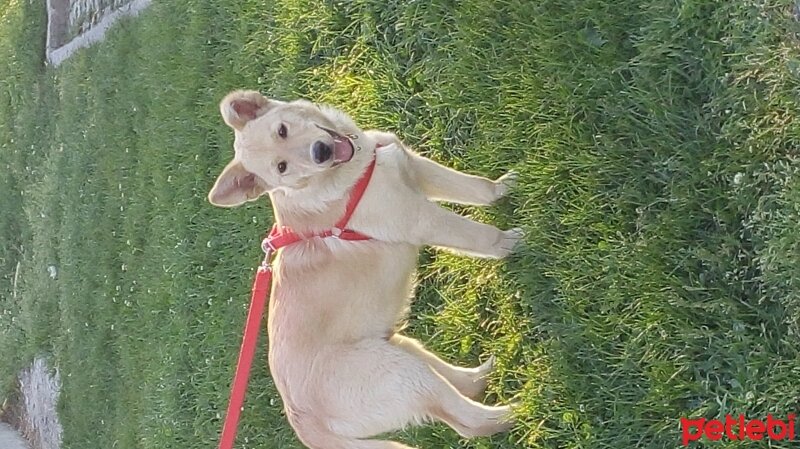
(739, 428)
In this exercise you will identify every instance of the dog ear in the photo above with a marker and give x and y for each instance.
(241, 106)
(235, 185)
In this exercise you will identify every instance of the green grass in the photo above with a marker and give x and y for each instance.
(657, 146)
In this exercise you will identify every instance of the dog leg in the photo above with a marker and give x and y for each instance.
(316, 435)
(471, 382)
(449, 404)
(467, 417)
(379, 387)
(441, 183)
(440, 227)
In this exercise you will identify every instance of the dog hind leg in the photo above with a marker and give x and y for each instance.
(316, 435)
(379, 387)
(471, 382)
(467, 417)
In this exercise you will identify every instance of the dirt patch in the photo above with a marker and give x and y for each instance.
(10, 438)
(75, 24)
(11, 411)
(11, 422)
(31, 408)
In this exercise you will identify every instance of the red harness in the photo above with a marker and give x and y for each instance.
(279, 237)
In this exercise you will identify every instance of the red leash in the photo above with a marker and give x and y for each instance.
(261, 287)
(277, 238)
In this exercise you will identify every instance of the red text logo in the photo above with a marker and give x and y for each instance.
(737, 429)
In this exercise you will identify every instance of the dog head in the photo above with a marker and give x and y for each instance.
(280, 146)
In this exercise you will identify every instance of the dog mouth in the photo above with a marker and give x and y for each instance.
(343, 148)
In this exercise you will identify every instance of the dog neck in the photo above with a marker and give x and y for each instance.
(318, 206)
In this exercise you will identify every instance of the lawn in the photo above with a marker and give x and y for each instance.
(657, 143)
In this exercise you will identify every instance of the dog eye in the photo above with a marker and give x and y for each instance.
(281, 167)
(282, 131)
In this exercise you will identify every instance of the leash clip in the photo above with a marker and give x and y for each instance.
(269, 249)
(265, 264)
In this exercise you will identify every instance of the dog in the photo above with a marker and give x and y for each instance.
(344, 372)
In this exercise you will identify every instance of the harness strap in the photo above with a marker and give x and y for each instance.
(356, 195)
(280, 236)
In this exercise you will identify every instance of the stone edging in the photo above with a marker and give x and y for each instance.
(57, 16)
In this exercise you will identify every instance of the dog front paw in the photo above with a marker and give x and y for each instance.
(504, 184)
(508, 241)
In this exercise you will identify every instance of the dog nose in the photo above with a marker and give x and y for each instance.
(321, 152)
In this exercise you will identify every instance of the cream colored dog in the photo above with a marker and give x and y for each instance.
(343, 371)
